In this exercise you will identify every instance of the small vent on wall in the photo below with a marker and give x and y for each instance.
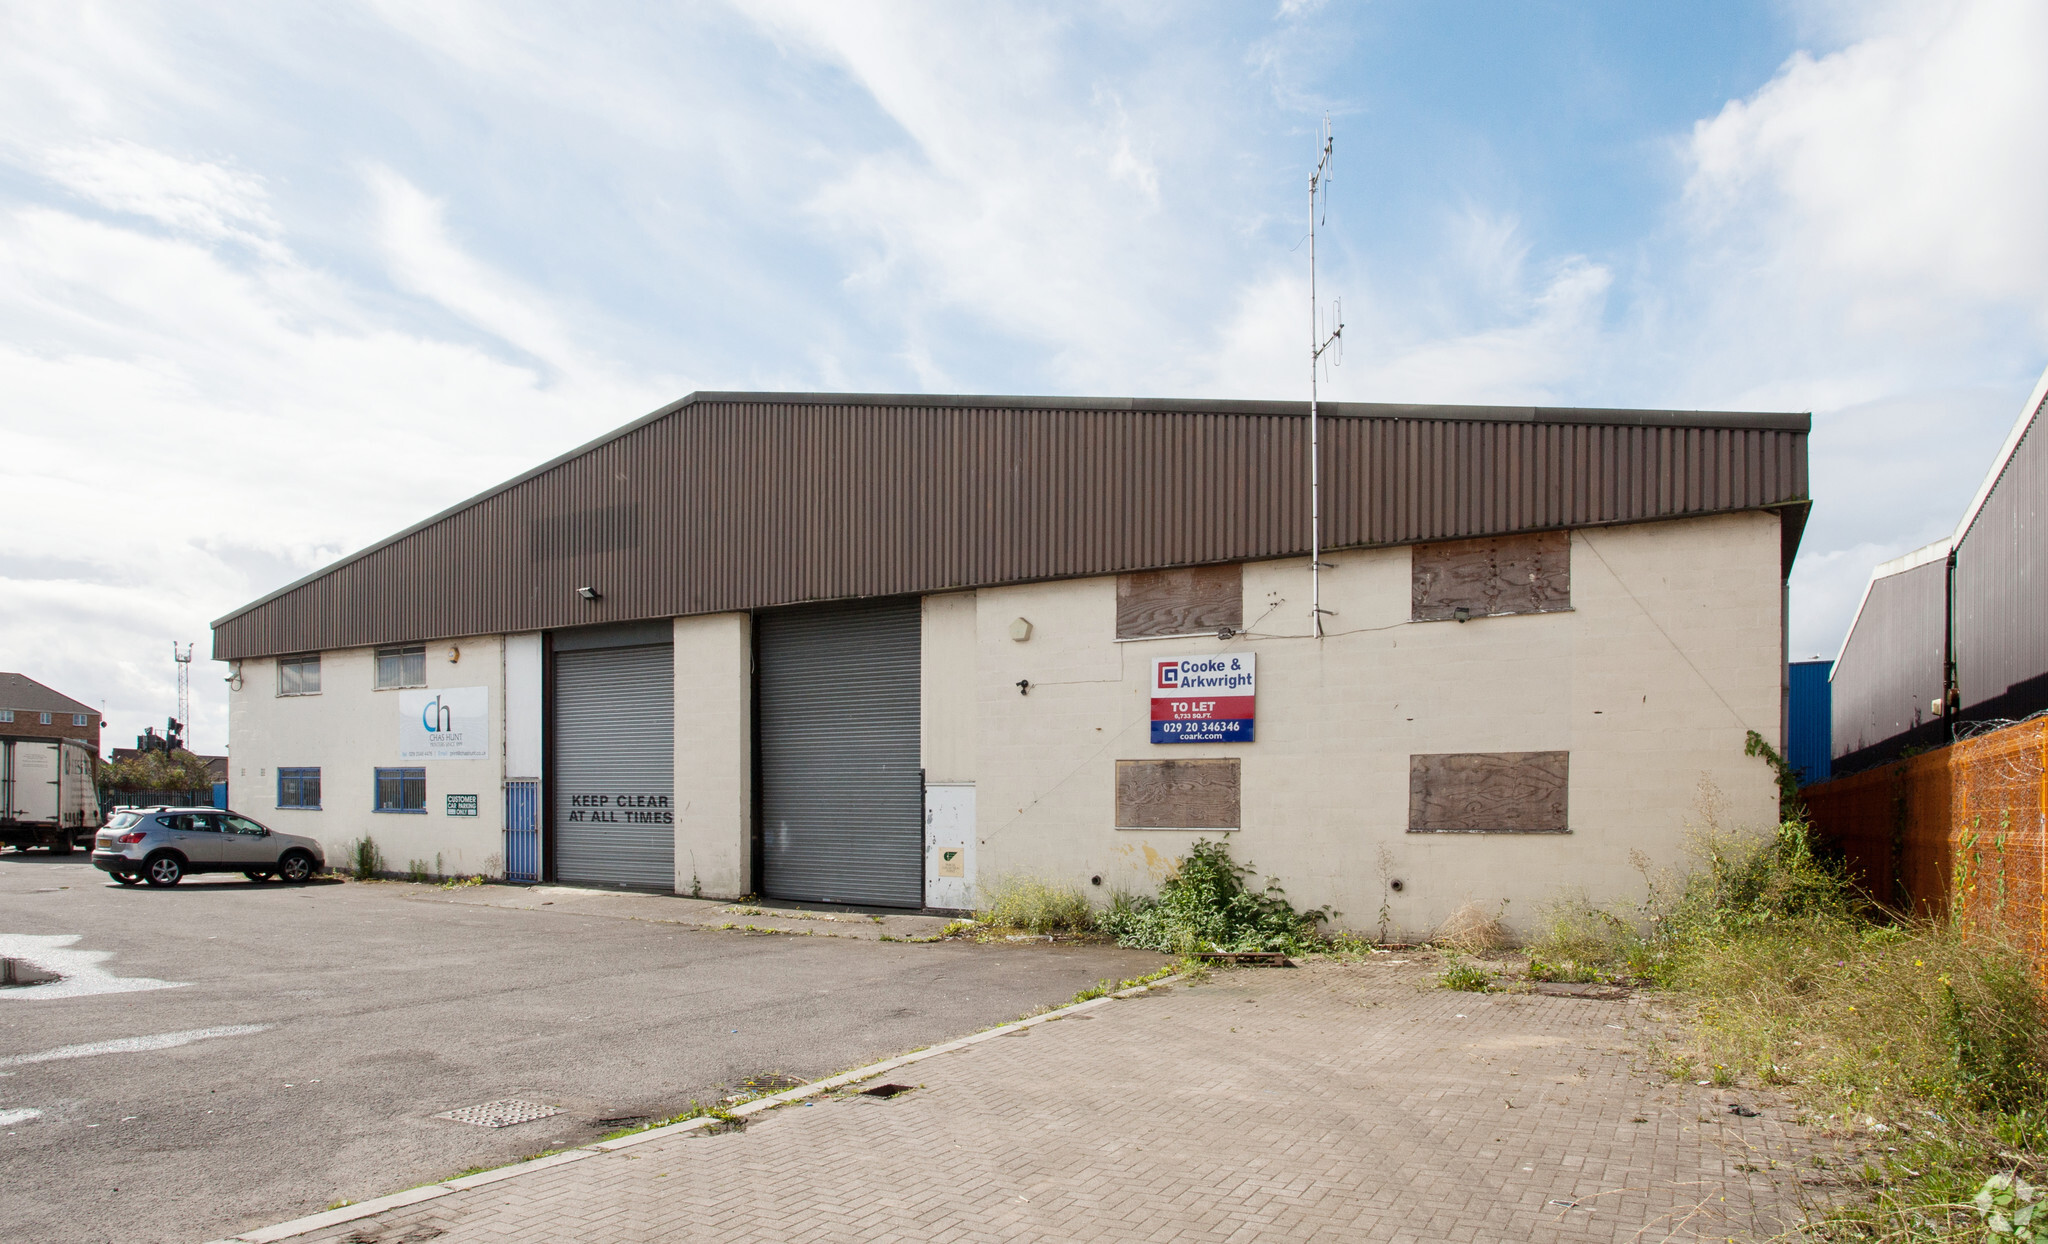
(556, 536)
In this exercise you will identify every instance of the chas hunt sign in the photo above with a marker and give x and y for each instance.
(1204, 699)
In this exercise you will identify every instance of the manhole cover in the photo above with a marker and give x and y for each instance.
(502, 1113)
(1564, 989)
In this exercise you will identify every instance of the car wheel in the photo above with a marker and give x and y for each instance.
(127, 878)
(257, 877)
(164, 870)
(296, 867)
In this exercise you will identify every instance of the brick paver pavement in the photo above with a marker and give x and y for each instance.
(1338, 1101)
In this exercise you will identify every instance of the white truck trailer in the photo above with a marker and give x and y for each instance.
(47, 793)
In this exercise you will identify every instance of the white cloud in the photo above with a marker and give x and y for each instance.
(188, 427)
(1863, 239)
(190, 196)
(1886, 195)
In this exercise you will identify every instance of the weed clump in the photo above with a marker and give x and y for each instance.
(1037, 906)
(365, 859)
(1466, 977)
(1206, 905)
(1473, 930)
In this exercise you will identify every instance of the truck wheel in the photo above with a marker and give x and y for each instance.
(296, 867)
(127, 878)
(164, 870)
(61, 848)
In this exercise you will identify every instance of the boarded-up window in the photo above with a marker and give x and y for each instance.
(1179, 602)
(1176, 794)
(1487, 793)
(1494, 575)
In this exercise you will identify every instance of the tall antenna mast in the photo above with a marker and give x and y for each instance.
(1317, 343)
(184, 661)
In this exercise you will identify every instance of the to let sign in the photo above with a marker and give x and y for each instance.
(1204, 699)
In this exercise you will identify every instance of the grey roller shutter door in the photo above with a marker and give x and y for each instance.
(842, 795)
(615, 767)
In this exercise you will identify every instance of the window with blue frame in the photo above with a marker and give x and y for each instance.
(401, 790)
(298, 788)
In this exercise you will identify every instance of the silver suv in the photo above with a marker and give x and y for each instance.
(161, 845)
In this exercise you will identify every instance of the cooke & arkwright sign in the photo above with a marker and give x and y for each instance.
(1204, 699)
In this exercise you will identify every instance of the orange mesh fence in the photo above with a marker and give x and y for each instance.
(1964, 827)
(1891, 825)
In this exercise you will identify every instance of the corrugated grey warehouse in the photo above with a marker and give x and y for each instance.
(1955, 634)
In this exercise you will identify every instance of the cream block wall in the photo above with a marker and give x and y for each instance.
(714, 791)
(1670, 654)
(947, 643)
(349, 730)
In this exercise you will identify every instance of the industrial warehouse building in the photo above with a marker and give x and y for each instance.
(1954, 635)
(880, 649)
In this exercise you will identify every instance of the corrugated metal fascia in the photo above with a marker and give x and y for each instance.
(2001, 588)
(2029, 415)
(755, 505)
(1781, 421)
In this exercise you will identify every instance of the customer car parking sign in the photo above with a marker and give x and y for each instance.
(1204, 699)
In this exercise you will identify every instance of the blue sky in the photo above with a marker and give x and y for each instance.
(278, 280)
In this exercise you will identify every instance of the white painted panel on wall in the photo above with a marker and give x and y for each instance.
(522, 706)
(949, 846)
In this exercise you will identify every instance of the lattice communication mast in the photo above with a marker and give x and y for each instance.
(183, 723)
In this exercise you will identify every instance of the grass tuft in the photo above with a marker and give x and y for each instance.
(1920, 1043)
(1036, 905)
(1466, 977)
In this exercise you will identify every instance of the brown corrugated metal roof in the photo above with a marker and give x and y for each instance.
(728, 501)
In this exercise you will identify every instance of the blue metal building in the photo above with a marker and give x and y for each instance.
(1809, 728)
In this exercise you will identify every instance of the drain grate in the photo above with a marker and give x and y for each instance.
(502, 1113)
(770, 1082)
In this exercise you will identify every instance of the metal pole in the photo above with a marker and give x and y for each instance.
(1315, 447)
(1317, 343)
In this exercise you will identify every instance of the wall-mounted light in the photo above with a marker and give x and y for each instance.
(589, 593)
(1226, 633)
(1462, 614)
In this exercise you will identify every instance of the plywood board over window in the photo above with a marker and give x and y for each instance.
(1177, 794)
(1495, 575)
(1182, 601)
(1488, 793)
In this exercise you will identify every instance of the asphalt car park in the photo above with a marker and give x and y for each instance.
(226, 1053)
